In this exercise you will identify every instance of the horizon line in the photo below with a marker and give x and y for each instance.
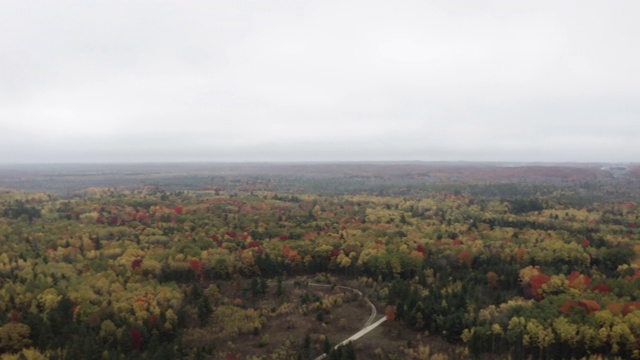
(318, 162)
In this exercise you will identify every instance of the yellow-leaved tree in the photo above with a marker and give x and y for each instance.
(14, 336)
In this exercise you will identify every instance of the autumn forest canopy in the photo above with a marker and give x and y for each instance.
(277, 261)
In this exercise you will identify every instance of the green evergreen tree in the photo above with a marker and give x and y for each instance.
(255, 288)
(279, 287)
(204, 311)
(306, 347)
(264, 286)
(349, 352)
(327, 345)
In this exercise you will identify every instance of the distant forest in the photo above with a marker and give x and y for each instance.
(382, 178)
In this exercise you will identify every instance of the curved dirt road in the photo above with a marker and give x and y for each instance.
(368, 326)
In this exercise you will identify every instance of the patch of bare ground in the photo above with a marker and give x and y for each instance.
(303, 322)
(391, 340)
(323, 315)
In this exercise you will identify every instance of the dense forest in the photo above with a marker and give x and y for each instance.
(232, 267)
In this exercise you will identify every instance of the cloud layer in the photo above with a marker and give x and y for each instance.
(321, 81)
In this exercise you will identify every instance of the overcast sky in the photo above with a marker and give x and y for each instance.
(128, 81)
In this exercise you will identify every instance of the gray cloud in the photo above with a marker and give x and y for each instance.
(295, 80)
